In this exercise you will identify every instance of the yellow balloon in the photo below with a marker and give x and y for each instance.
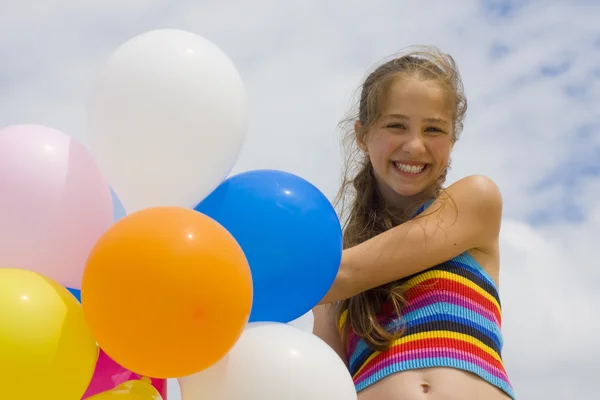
(130, 390)
(46, 348)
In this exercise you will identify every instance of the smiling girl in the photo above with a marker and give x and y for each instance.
(414, 310)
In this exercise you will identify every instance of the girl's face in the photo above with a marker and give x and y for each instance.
(410, 145)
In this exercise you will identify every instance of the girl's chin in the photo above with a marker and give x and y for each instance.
(415, 191)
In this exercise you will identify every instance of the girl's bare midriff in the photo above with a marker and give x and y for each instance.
(432, 384)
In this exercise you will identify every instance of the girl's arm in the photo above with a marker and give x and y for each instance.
(468, 217)
(325, 327)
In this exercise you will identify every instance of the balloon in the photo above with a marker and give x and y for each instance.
(167, 119)
(54, 203)
(131, 390)
(109, 374)
(118, 210)
(118, 213)
(291, 236)
(273, 361)
(76, 293)
(166, 292)
(46, 349)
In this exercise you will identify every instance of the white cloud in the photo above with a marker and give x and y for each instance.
(532, 76)
(550, 302)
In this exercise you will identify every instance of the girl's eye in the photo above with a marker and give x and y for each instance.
(433, 129)
(396, 126)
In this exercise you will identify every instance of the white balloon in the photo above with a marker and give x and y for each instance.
(305, 322)
(167, 119)
(273, 361)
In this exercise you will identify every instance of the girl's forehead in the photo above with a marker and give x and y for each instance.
(415, 96)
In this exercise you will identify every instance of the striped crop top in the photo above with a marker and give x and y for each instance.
(452, 318)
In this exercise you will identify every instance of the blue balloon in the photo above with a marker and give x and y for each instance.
(76, 293)
(118, 210)
(291, 236)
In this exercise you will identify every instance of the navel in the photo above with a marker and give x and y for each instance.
(425, 387)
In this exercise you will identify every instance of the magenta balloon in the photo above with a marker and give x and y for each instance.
(108, 375)
(54, 203)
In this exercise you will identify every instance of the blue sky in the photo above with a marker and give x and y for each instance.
(532, 76)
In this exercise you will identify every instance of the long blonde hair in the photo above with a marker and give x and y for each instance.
(362, 207)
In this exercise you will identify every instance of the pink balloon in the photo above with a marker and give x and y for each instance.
(109, 374)
(54, 203)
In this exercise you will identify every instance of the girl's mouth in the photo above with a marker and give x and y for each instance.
(411, 170)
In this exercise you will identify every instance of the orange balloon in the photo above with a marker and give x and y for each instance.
(167, 292)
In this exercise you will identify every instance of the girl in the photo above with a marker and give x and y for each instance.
(414, 310)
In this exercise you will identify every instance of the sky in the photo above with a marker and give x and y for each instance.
(531, 71)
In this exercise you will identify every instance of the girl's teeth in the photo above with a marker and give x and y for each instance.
(411, 169)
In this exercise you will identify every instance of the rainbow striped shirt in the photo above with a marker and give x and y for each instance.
(452, 319)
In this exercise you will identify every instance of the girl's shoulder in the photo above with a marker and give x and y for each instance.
(480, 191)
(475, 202)
(472, 193)
(478, 198)
(480, 186)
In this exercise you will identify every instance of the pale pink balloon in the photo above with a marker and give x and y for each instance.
(109, 374)
(54, 203)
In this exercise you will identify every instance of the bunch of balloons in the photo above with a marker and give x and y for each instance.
(181, 272)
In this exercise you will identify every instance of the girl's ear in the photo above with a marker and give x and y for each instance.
(360, 141)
